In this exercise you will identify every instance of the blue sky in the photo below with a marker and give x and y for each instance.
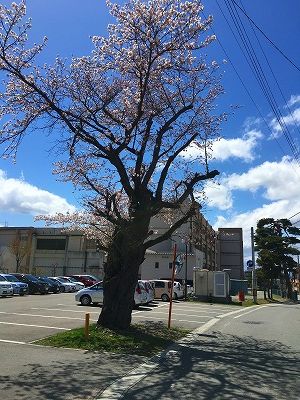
(259, 177)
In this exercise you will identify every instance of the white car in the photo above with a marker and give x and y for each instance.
(79, 285)
(92, 294)
(6, 289)
(140, 294)
(178, 290)
(66, 286)
(149, 287)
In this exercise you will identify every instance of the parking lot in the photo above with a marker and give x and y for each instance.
(28, 318)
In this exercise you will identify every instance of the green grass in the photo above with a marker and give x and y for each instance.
(144, 339)
(249, 302)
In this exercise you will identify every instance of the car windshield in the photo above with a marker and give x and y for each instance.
(32, 278)
(65, 280)
(2, 278)
(11, 278)
(72, 279)
(92, 277)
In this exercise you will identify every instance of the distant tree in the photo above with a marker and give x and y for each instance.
(20, 249)
(275, 242)
(126, 116)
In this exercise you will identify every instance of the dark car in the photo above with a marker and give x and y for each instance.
(54, 286)
(59, 284)
(34, 285)
(87, 280)
(20, 288)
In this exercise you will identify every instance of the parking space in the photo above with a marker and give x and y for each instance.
(25, 319)
(190, 315)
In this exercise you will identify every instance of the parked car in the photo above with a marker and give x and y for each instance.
(34, 285)
(140, 294)
(54, 286)
(87, 280)
(92, 294)
(20, 288)
(178, 290)
(56, 282)
(162, 290)
(6, 289)
(79, 285)
(66, 285)
(149, 287)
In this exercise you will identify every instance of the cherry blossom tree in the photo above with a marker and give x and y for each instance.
(126, 114)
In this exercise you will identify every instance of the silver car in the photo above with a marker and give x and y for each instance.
(92, 294)
(66, 285)
(79, 285)
(6, 289)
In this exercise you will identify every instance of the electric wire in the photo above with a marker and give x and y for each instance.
(274, 77)
(240, 78)
(256, 68)
(286, 132)
(262, 32)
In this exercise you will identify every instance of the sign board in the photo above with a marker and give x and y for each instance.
(249, 265)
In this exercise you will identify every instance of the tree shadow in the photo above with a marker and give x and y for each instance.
(221, 367)
(66, 376)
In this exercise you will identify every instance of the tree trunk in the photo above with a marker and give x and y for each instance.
(288, 284)
(125, 255)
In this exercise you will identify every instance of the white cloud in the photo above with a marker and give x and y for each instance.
(18, 196)
(246, 220)
(218, 196)
(242, 148)
(280, 180)
(292, 119)
(295, 98)
(224, 149)
(280, 183)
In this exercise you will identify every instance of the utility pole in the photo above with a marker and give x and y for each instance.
(254, 280)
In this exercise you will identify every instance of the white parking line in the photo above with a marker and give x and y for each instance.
(176, 313)
(187, 320)
(11, 341)
(36, 326)
(40, 316)
(59, 309)
(239, 316)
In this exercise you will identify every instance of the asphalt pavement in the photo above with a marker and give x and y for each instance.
(230, 352)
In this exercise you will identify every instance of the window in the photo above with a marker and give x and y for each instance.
(170, 265)
(159, 284)
(156, 264)
(51, 244)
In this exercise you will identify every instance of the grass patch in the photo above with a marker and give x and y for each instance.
(145, 339)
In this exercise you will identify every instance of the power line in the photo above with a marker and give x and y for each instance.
(274, 77)
(256, 68)
(262, 32)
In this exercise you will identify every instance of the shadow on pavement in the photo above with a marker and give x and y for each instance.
(220, 367)
(69, 375)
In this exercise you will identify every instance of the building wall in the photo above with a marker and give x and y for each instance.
(230, 252)
(52, 252)
(74, 254)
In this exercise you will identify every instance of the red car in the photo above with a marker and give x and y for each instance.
(87, 280)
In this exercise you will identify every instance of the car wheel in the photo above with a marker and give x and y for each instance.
(165, 297)
(22, 294)
(175, 296)
(62, 289)
(85, 300)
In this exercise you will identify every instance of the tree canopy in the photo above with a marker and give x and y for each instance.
(127, 114)
(275, 241)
